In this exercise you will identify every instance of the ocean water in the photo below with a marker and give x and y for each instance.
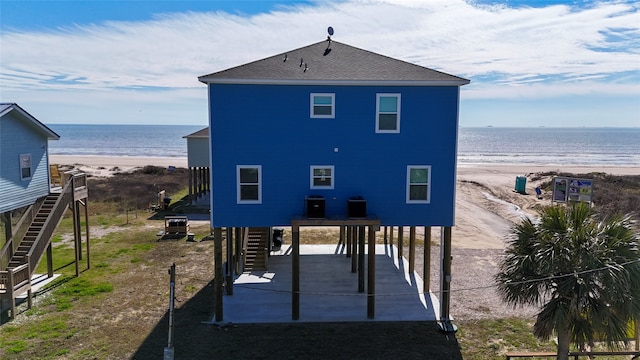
(122, 140)
(550, 146)
(489, 145)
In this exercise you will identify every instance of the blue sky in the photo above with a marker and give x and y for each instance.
(531, 63)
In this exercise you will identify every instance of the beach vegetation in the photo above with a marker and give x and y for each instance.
(583, 272)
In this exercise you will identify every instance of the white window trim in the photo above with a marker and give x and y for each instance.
(333, 106)
(24, 167)
(397, 130)
(239, 184)
(333, 177)
(409, 168)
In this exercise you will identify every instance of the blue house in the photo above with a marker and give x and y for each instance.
(309, 136)
(335, 121)
(24, 160)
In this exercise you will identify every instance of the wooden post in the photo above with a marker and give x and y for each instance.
(391, 236)
(445, 280)
(217, 263)
(295, 272)
(400, 242)
(385, 235)
(371, 267)
(342, 237)
(76, 235)
(50, 260)
(412, 249)
(238, 252)
(426, 279)
(190, 172)
(86, 218)
(348, 240)
(229, 268)
(361, 264)
(77, 218)
(354, 249)
(6, 217)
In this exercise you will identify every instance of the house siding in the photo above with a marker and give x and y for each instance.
(271, 126)
(198, 152)
(18, 137)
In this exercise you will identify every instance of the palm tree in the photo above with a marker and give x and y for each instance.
(583, 273)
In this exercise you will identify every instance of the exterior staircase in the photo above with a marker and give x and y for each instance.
(22, 253)
(256, 249)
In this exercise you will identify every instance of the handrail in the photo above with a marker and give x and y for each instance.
(44, 237)
(20, 230)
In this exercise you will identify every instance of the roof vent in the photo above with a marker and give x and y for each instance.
(285, 58)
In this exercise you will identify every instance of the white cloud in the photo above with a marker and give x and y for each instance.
(506, 52)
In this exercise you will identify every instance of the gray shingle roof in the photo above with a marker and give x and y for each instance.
(332, 63)
(202, 133)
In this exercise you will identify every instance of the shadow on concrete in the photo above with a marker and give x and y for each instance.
(390, 335)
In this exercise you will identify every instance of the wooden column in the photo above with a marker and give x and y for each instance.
(348, 240)
(6, 218)
(391, 236)
(238, 253)
(229, 268)
(295, 272)
(445, 280)
(412, 249)
(371, 281)
(50, 260)
(400, 242)
(385, 235)
(191, 196)
(354, 249)
(361, 264)
(342, 240)
(86, 218)
(217, 265)
(76, 234)
(426, 279)
(78, 224)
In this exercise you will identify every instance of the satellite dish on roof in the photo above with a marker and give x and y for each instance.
(330, 31)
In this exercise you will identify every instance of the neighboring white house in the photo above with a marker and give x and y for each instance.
(199, 163)
(24, 157)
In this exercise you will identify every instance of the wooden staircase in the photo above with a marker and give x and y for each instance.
(256, 250)
(20, 255)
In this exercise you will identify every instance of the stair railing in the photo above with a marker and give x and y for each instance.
(44, 237)
(19, 231)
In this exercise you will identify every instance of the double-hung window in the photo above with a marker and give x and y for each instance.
(25, 166)
(387, 113)
(322, 105)
(249, 184)
(322, 177)
(418, 184)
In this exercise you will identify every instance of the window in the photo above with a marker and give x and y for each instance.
(388, 113)
(418, 180)
(25, 166)
(323, 106)
(249, 184)
(322, 177)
